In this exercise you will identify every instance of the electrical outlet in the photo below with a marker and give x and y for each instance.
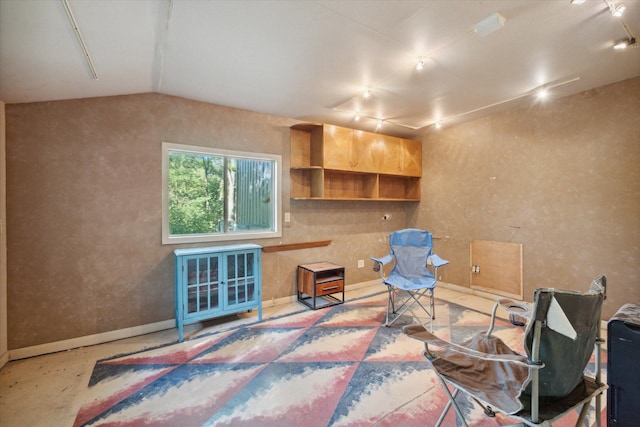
(360, 263)
(287, 217)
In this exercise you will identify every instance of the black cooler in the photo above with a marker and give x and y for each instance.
(623, 367)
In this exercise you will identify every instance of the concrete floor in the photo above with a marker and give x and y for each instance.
(47, 390)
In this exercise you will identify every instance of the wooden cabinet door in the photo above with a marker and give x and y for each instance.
(337, 143)
(411, 158)
(392, 157)
(368, 151)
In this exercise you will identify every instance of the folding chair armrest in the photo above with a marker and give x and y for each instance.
(437, 261)
(378, 263)
(383, 260)
(441, 349)
(515, 309)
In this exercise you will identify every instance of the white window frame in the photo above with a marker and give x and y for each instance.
(168, 239)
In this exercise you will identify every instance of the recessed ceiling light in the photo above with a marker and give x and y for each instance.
(367, 93)
(420, 64)
(543, 93)
(379, 125)
(438, 124)
(357, 117)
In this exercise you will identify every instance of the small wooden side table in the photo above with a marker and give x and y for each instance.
(318, 283)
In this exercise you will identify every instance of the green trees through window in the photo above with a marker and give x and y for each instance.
(196, 193)
(218, 195)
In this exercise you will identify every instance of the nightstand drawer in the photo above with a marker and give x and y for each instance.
(329, 287)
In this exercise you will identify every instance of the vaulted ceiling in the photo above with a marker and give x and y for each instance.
(313, 60)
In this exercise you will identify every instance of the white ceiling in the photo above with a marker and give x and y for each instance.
(311, 60)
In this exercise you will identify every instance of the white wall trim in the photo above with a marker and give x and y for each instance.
(53, 347)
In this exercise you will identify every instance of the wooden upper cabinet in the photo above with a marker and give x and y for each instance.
(337, 163)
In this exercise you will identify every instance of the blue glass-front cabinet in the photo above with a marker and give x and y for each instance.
(216, 281)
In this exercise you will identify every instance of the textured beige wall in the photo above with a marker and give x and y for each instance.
(84, 200)
(561, 178)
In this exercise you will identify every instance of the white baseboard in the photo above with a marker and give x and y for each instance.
(53, 347)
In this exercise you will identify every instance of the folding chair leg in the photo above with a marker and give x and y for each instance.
(583, 413)
(390, 304)
(452, 401)
(485, 408)
(433, 305)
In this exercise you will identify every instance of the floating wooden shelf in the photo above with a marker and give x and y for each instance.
(294, 246)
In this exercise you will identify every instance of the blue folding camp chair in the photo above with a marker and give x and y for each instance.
(410, 278)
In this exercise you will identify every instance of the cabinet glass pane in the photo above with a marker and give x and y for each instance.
(249, 269)
(192, 272)
(241, 266)
(231, 267)
(213, 270)
(202, 284)
(240, 291)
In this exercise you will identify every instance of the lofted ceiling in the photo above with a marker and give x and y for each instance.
(313, 60)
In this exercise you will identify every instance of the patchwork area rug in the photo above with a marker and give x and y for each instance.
(338, 366)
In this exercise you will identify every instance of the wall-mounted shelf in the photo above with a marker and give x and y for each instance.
(334, 163)
(295, 246)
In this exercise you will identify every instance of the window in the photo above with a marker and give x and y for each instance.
(215, 195)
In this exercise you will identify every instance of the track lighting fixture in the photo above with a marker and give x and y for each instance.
(616, 10)
(379, 125)
(577, 2)
(357, 117)
(438, 124)
(623, 44)
(420, 64)
(367, 93)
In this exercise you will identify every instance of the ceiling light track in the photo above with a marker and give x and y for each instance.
(486, 26)
(538, 91)
(161, 49)
(76, 30)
